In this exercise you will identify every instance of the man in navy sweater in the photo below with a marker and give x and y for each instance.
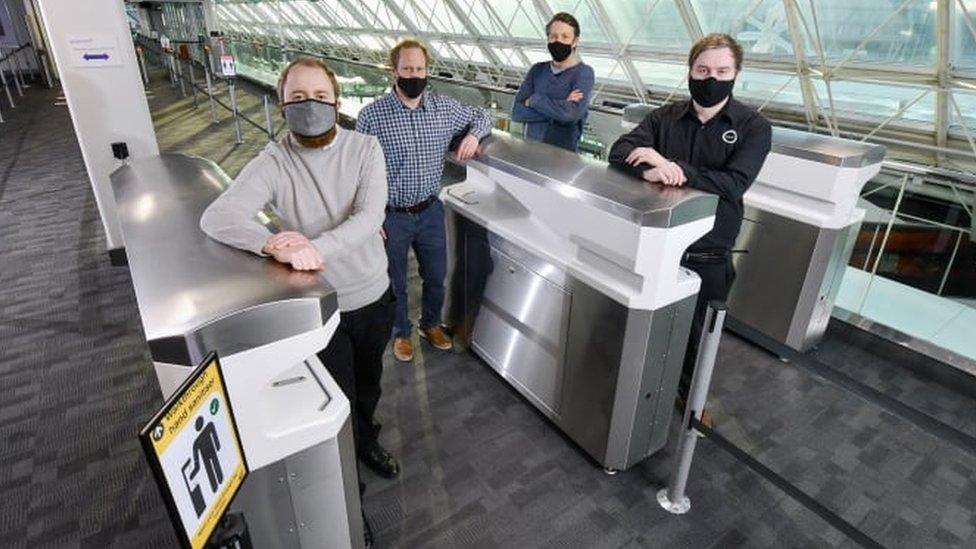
(555, 95)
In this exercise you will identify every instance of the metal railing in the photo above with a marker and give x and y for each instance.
(13, 60)
(181, 73)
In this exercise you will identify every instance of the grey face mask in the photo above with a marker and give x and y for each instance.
(310, 117)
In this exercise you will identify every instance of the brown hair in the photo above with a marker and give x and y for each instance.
(305, 62)
(564, 17)
(406, 44)
(715, 41)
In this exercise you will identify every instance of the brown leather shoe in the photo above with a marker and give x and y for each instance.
(436, 337)
(403, 349)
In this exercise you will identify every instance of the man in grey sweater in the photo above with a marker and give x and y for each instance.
(329, 187)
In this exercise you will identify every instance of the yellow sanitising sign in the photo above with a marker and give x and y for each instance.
(195, 452)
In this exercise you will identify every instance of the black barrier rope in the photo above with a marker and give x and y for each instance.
(791, 490)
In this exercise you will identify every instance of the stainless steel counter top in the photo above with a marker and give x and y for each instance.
(799, 144)
(194, 293)
(595, 182)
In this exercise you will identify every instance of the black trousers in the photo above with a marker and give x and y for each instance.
(354, 357)
(717, 277)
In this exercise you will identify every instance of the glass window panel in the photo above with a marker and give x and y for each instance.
(520, 18)
(967, 105)
(590, 29)
(377, 12)
(665, 76)
(606, 68)
(759, 25)
(654, 23)
(756, 87)
(534, 56)
(438, 16)
(878, 100)
(311, 14)
(908, 38)
(964, 41)
(333, 10)
(482, 17)
(508, 56)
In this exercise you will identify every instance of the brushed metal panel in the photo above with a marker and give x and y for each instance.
(787, 278)
(265, 501)
(528, 297)
(186, 282)
(519, 328)
(594, 348)
(666, 339)
(594, 182)
(770, 271)
(317, 486)
(522, 361)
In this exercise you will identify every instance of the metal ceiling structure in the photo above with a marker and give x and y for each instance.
(899, 72)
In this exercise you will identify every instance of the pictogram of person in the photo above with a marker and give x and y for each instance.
(196, 494)
(205, 448)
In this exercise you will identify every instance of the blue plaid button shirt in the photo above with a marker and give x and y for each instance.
(415, 141)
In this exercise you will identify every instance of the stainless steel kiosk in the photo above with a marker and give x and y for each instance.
(801, 222)
(565, 279)
(266, 322)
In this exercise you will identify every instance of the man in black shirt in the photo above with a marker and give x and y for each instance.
(711, 143)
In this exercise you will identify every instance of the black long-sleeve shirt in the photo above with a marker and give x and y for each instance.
(722, 156)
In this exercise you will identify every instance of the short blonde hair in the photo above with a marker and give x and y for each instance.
(305, 62)
(406, 44)
(714, 41)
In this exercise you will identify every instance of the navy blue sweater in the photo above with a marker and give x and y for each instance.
(550, 118)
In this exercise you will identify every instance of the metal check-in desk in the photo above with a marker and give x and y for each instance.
(565, 278)
(800, 223)
(266, 322)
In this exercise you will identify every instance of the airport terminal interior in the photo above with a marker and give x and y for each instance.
(833, 401)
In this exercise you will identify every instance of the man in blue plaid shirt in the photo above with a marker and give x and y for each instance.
(415, 129)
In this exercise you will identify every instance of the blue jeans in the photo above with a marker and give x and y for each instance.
(425, 232)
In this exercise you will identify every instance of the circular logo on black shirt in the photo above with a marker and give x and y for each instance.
(730, 136)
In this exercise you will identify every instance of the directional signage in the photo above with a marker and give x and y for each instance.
(195, 452)
(94, 50)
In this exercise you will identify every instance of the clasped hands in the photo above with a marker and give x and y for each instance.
(662, 171)
(295, 249)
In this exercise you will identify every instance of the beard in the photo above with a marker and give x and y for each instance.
(316, 142)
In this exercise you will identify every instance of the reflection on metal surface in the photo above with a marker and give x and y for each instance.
(196, 294)
(787, 277)
(593, 182)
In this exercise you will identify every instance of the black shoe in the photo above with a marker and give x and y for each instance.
(381, 461)
(367, 532)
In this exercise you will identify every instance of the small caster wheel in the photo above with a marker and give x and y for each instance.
(610, 471)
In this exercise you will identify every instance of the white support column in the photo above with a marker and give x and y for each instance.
(99, 72)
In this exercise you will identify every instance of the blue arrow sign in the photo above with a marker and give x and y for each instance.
(90, 56)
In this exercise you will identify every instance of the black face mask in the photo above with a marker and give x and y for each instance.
(411, 87)
(559, 51)
(710, 91)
